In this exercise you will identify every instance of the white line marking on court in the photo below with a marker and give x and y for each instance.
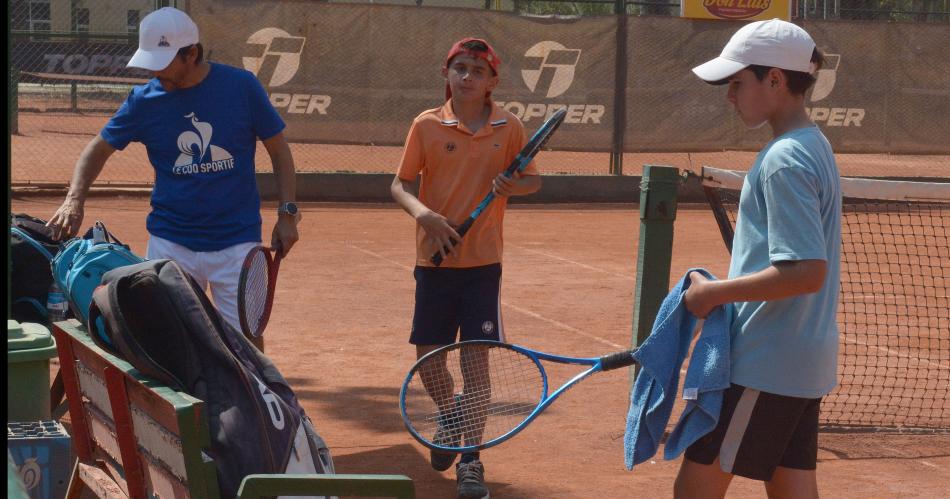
(932, 465)
(563, 326)
(897, 354)
(506, 304)
(579, 264)
(377, 255)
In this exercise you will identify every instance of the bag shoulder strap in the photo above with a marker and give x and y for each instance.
(33, 242)
(106, 313)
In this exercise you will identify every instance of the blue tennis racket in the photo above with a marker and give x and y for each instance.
(476, 394)
(525, 155)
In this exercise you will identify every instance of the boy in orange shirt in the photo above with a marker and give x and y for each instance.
(461, 149)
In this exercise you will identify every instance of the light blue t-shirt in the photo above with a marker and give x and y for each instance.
(789, 209)
(201, 142)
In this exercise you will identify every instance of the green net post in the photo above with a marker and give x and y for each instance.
(655, 250)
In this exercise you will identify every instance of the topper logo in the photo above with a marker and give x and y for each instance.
(825, 82)
(551, 69)
(277, 64)
(277, 45)
(554, 59)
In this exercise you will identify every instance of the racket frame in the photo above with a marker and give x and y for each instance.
(273, 266)
(597, 364)
(524, 157)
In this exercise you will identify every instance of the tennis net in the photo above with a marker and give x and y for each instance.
(894, 308)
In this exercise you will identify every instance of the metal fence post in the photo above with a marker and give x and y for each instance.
(620, 89)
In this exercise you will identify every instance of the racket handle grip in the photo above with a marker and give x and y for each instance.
(467, 224)
(618, 360)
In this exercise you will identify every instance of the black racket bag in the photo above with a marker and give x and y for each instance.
(161, 322)
(31, 249)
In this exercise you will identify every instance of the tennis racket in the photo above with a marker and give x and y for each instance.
(476, 394)
(518, 164)
(256, 290)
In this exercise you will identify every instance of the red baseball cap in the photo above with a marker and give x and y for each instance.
(488, 55)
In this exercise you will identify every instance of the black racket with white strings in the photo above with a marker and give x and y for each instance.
(476, 394)
(524, 157)
(256, 287)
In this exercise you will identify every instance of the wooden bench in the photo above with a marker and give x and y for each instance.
(135, 438)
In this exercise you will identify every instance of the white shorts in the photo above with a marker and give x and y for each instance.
(220, 270)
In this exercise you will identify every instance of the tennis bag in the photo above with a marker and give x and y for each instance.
(158, 319)
(79, 266)
(31, 249)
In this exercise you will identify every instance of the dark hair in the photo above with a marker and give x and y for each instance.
(798, 81)
(477, 46)
(183, 52)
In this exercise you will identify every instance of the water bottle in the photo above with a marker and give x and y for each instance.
(98, 233)
(56, 305)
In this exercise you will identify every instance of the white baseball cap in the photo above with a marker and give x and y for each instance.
(161, 34)
(775, 43)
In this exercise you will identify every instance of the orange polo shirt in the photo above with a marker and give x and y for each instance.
(457, 167)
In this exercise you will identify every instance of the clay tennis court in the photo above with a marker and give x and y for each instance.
(340, 326)
(47, 145)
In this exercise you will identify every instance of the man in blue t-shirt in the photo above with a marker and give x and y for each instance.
(199, 122)
(783, 277)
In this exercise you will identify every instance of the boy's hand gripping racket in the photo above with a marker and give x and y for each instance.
(256, 290)
(476, 394)
(524, 157)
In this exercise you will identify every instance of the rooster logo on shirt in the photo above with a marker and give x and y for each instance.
(198, 155)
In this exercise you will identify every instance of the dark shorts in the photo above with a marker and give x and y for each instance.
(759, 431)
(451, 299)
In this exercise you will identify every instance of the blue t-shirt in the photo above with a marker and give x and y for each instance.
(789, 209)
(201, 141)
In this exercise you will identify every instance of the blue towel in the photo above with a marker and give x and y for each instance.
(661, 356)
(706, 379)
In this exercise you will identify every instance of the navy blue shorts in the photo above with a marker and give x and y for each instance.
(449, 300)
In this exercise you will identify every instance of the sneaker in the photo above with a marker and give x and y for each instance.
(471, 480)
(447, 434)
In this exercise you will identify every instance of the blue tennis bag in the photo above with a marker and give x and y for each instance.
(79, 265)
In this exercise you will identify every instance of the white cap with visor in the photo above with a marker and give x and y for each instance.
(774, 43)
(161, 35)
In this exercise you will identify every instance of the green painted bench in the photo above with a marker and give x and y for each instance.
(135, 438)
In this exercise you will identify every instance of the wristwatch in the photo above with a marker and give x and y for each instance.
(288, 208)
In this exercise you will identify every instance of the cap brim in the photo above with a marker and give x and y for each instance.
(154, 60)
(718, 69)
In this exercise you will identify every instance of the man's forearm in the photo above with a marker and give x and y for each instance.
(88, 168)
(285, 174)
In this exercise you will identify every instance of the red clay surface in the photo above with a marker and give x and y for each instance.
(48, 145)
(341, 321)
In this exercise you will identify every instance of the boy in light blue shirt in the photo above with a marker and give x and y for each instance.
(783, 277)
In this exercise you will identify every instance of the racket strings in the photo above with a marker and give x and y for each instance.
(255, 291)
(472, 395)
